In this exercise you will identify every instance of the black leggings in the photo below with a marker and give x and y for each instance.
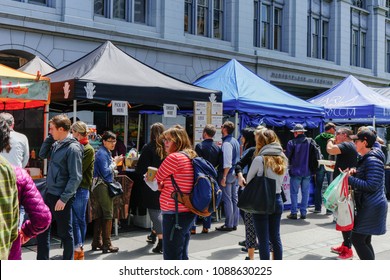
(363, 247)
(347, 238)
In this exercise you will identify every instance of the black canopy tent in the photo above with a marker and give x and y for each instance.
(107, 73)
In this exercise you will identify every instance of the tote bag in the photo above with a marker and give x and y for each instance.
(334, 191)
(258, 196)
(345, 212)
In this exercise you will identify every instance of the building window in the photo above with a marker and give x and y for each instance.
(128, 10)
(359, 3)
(268, 24)
(359, 20)
(387, 8)
(318, 29)
(354, 49)
(204, 18)
(388, 55)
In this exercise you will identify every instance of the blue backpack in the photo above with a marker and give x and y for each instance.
(206, 194)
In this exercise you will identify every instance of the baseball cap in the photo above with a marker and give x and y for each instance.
(365, 135)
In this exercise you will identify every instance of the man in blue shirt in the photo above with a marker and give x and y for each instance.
(229, 184)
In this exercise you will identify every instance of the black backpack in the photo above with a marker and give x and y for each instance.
(314, 156)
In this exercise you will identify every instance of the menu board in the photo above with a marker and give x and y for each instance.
(207, 113)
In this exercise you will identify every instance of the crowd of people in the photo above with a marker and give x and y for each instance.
(78, 177)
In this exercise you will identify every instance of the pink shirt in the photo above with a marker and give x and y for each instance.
(180, 166)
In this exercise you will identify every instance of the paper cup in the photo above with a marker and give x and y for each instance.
(151, 173)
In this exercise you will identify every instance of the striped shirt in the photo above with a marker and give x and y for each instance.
(180, 166)
(9, 208)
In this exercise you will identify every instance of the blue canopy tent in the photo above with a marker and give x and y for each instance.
(350, 101)
(257, 101)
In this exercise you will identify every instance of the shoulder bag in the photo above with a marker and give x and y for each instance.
(259, 195)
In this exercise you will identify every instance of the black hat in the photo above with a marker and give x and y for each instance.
(365, 135)
(298, 128)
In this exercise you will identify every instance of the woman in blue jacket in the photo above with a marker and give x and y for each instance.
(371, 204)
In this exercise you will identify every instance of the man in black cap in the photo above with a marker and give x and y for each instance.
(344, 149)
(297, 151)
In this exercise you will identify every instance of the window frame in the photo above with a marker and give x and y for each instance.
(268, 31)
(129, 10)
(191, 18)
(318, 33)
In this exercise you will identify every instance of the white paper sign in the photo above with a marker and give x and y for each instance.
(200, 108)
(119, 108)
(198, 134)
(170, 110)
(200, 120)
(217, 121)
(216, 108)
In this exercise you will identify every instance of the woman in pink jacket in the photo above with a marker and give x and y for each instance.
(38, 213)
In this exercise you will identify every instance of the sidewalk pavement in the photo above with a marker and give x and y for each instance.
(308, 239)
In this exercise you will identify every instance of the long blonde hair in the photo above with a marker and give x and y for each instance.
(156, 131)
(181, 139)
(278, 164)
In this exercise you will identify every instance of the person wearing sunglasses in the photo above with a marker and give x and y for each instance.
(367, 182)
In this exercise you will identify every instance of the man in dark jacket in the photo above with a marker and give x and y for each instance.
(208, 150)
(63, 178)
(322, 140)
(297, 152)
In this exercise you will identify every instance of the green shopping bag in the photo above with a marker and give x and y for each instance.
(334, 192)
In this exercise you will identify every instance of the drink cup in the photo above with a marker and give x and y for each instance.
(152, 171)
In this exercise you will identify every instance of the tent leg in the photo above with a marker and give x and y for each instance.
(139, 132)
(45, 134)
(236, 125)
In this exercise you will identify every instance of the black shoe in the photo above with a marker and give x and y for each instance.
(151, 238)
(234, 228)
(242, 243)
(224, 228)
(247, 259)
(303, 217)
(292, 216)
(158, 248)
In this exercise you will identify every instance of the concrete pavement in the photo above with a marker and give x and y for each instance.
(308, 239)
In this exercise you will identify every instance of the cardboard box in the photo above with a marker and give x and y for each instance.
(131, 162)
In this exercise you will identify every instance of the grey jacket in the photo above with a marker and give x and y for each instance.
(65, 166)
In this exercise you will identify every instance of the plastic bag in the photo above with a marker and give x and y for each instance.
(334, 192)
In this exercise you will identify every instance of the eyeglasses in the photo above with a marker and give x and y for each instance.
(111, 141)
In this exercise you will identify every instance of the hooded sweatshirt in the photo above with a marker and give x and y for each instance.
(322, 140)
(257, 167)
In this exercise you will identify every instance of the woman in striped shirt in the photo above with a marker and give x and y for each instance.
(176, 233)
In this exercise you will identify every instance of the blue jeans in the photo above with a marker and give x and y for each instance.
(206, 221)
(320, 176)
(268, 230)
(176, 246)
(64, 229)
(295, 182)
(79, 209)
(230, 199)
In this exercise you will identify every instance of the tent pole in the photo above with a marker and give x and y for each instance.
(139, 132)
(74, 110)
(236, 125)
(373, 122)
(126, 131)
(45, 133)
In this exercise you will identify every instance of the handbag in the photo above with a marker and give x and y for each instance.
(114, 188)
(334, 192)
(259, 195)
(345, 213)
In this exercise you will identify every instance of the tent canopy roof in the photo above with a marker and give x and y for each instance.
(245, 92)
(111, 74)
(351, 99)
(19, 90)
(37, 64)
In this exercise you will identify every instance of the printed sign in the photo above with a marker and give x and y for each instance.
(119, 108)
(170, 110)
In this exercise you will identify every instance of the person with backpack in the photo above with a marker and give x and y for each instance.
(301, 169)
(177, 219)
(208, 150)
